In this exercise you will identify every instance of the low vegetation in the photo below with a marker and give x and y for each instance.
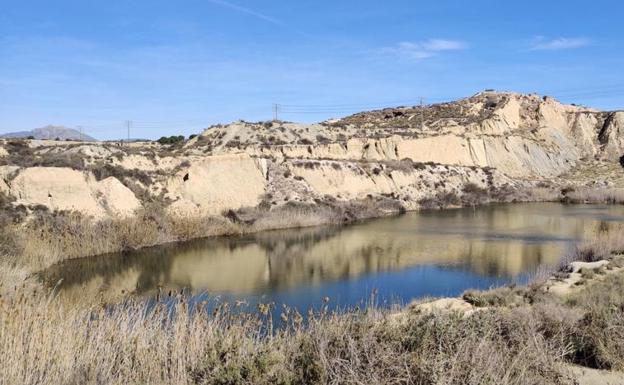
(472, 195)
(593, 195)
(521, 336)
(45, 237)
(171, 139)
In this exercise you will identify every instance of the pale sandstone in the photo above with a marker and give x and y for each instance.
(445, 305)
(612, 136)
(576, 266)
(589, 376)
(518, 138)
(116, 198)
(215, 184)
(67, 189)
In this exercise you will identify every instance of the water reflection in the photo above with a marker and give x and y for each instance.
(427, 253)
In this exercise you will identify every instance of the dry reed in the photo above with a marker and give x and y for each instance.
(519, 338)
(44, 342)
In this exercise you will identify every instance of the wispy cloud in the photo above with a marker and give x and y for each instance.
(542, 44)
(425, 49)
(247, 11)
(257, 15)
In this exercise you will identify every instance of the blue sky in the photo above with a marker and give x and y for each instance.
(177, 66)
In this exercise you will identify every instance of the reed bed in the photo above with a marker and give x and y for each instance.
(521, 336)
(45, 238)
(594, 195)
(44, 342)
(50, 237)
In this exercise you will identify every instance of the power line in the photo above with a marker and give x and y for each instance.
(276, 109)
(338, 109)
(422, 114)
(578, 95)
(311, 109)
(128, 124)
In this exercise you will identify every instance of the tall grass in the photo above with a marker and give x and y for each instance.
(522, 336)
(45, 343)
(594, 195)
(601, 247)
(51, 237)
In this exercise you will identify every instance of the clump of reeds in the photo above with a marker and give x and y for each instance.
(173, 342)
(594, 195)
(50, 237)
(518, 337)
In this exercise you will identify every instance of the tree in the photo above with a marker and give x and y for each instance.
(171, 139)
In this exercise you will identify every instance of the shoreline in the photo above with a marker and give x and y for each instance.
(515, 333)
(250, 230)
(341, 249)
(226, 226)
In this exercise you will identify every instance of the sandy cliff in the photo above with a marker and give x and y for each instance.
(490, 141)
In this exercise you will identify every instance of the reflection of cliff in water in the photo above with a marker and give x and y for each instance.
(492, 241)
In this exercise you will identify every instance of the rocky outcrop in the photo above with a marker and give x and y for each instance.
(409, 183)
(67, 189)
(611, 136)
(523, 136)
(216, 184)
(408, 154)
(513, 155)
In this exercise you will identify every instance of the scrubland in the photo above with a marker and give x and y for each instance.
(516, 335)
(37, 238)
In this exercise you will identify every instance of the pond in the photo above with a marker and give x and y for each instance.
(428, 253)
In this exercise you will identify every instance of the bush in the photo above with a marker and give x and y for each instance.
(504, 296)
(20, 154)
(105, 170)
(442, 199)
(171, 139)
(473, 195)
(599, 336)
(322, 139)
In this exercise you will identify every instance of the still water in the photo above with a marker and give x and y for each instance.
(431, 253)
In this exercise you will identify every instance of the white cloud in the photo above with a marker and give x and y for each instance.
(443, 45)
(542, 44)
(425, 49)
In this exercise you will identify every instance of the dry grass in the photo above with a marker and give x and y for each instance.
(594, 195)
(472, 195)
(500, 297)
(290, 216)
(133, 344)
(539, 194)
(587, 195)
(172, 344)
(599, 337)
(519, 337)
(602, 247)
(50, 237)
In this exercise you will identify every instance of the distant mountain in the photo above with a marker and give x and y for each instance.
(51, 132)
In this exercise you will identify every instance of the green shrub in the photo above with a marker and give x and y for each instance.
(171, 139)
